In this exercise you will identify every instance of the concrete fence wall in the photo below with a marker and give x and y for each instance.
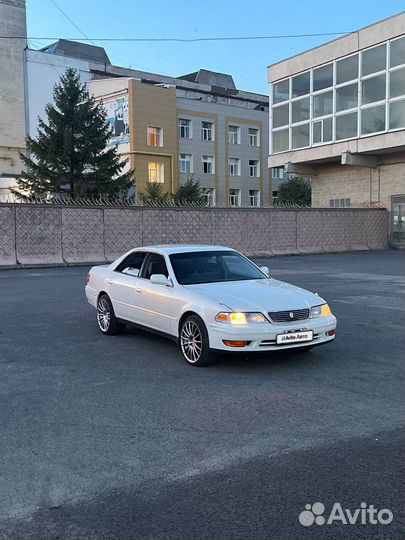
(32, 234)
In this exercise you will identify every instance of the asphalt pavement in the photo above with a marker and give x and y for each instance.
(116, 437)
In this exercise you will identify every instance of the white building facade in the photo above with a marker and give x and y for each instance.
(338, 115)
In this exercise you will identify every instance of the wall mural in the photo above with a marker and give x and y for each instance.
(118, 118)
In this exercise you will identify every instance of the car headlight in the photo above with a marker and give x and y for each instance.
(320, 311)
(238, 317)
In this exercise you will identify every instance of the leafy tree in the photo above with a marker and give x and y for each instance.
(295, 191)
(70, 153)
(190, 192)
(154, 193)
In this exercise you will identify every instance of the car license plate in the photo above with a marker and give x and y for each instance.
(294, 337)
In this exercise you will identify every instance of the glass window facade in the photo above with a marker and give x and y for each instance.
(351, 97)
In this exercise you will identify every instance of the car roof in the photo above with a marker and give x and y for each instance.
(170, 249)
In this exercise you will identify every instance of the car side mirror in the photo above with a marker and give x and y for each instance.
(131, 271)
(160, 279)
(265, 270)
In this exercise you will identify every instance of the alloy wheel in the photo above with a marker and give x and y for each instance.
(191, 341)
(103, 315)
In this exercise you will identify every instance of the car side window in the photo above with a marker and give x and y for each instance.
(155, 264)
(132, 264)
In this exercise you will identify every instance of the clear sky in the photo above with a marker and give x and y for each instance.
(245, 60)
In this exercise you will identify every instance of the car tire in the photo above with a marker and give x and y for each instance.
(108, 323)
(194, 342)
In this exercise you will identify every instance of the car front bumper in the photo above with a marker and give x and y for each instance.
(262, 337)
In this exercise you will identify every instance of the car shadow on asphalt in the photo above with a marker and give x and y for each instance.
(282, 359)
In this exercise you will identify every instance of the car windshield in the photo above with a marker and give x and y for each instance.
(213, 267)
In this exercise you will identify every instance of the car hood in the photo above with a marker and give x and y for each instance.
(258, 295)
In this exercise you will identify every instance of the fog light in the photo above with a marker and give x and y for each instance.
(235, 343)
(331, 332)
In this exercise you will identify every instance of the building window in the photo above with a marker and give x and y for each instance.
(347, 69)
(208, 164)
(277, 173)
(322, 104)
(373, 60)
(234, 197)
(254, 168)
(186, 163)
(154, 136)
(300, 110)
(397, 83)
(281, 91)
(300, 136)
(373, 119)
(281, 116)
(254, 137)
(397, 52)
(254, 198)
(322, 78)
(346, 126)
(234, 134)
(339, 203)
(322, 131)
(347, 97)
(185, 128)
(280, 140)
(397, 114)
(209, 195)
(234, 166)
(156, 172)
(300, 85)
(373, 89)
(207, 131)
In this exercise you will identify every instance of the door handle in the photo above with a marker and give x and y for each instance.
(138, 289)
(109, 280)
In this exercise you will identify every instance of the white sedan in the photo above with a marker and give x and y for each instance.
(209, 299)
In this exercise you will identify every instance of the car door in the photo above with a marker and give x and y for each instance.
(156, 305)
(122, 285)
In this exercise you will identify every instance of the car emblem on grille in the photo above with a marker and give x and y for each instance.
(291, 315)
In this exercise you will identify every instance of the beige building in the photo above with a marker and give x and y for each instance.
(196, 125)
(168, 127)
(12, 108)
(337, 114)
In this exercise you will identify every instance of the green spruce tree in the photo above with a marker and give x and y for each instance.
(154, 193)
(189, 193)
(295, 191)
(70, 154)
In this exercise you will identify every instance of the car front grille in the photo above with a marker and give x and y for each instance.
(289, 316)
